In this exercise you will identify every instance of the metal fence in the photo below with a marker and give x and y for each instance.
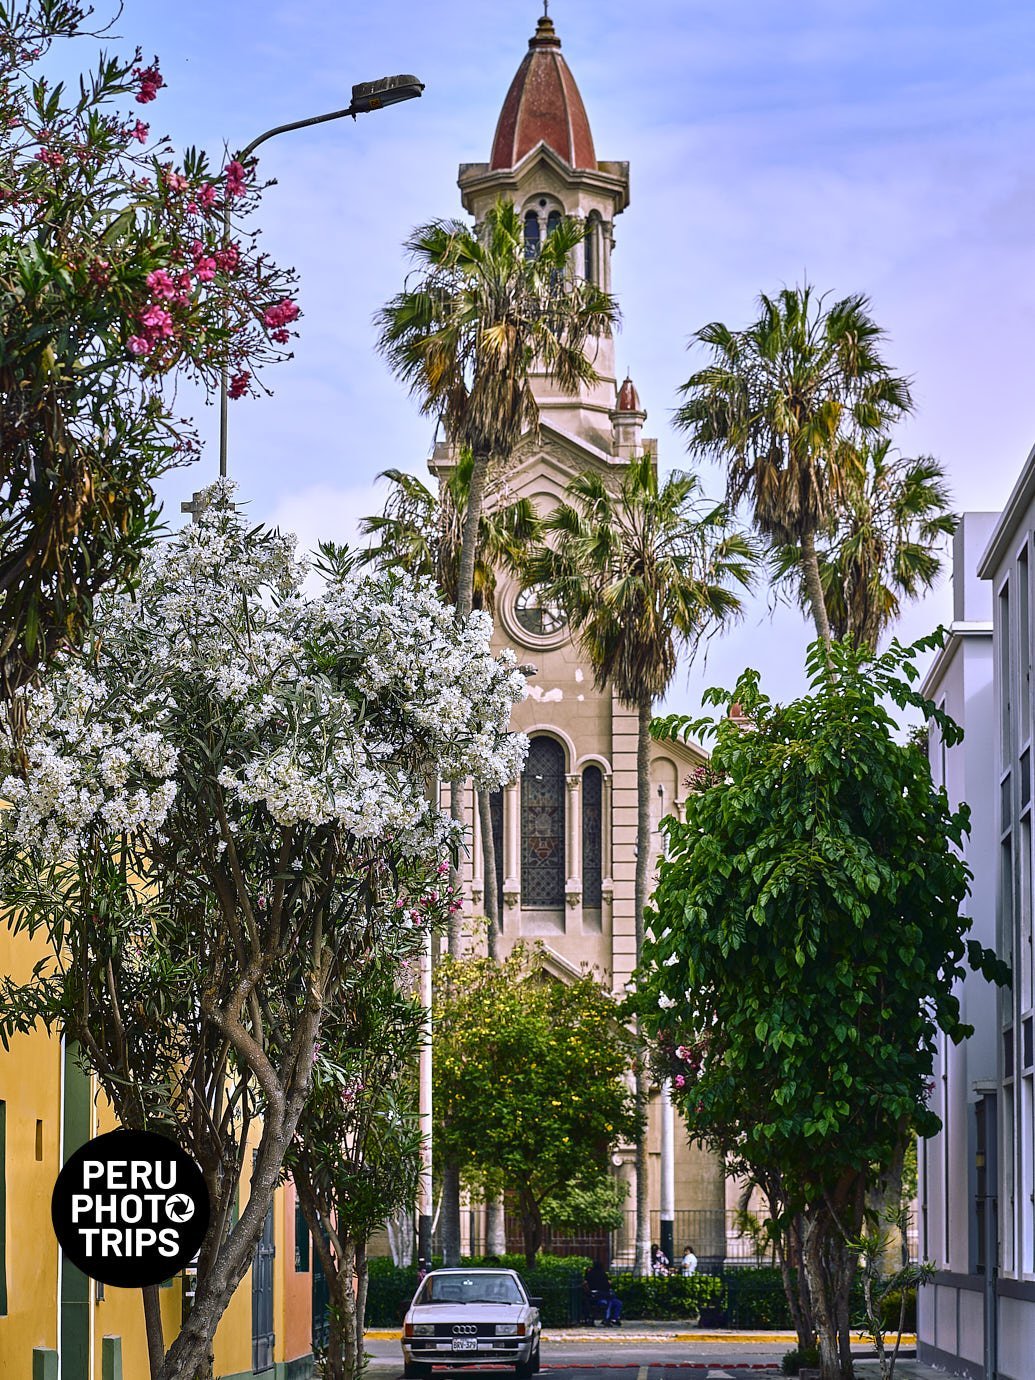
(716, 1236)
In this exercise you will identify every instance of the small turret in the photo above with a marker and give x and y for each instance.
(627, 421)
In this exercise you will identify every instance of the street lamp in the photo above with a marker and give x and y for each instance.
(366, 96)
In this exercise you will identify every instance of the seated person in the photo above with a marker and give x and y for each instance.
(601, 1294)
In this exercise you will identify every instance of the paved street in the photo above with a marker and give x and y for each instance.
(635, 1354)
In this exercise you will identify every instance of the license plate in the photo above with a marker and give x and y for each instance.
(465, 1343)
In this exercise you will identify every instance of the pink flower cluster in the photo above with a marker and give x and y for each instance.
(51, 157)
(235, 179)
(239, 384)
(140, 131)
(151, 82)
(278, 317)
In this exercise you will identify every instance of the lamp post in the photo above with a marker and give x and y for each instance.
(366, 96)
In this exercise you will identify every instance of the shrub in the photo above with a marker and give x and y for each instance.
(889, 1309)
(665, 1297)
(794, 1360)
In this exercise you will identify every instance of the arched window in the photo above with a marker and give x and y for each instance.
(542, 826)
(531, 235)
(552, 222)
(592, 837)
(590, 248)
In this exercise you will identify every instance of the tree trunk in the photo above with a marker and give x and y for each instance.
(456, 919)
(795, 1286)
(645, 710)
(492, 915)
(532, 1228)
(153, 1329)
(814, 586)
(450, 1213)
(830, 1268)
(191, 1351)
(362, 1279)
(469, 545)
(495, 1226)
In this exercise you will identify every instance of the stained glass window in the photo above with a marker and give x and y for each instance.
(592, 837)
(542, 826)
(531, 235)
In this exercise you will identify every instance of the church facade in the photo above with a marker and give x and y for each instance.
(565, 831)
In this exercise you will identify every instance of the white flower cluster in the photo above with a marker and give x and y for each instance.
(337, 709)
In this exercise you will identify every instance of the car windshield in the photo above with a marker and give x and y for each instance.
(469, 1288)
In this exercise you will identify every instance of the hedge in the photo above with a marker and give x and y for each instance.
(744, 1296)
(662, 1298)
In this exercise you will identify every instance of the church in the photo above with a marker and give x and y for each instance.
(565, 832)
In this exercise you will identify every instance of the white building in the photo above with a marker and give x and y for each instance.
(978, 1175)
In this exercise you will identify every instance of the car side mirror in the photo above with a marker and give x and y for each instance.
(536, 1303)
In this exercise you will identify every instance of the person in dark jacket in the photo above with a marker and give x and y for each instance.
(597, 1284)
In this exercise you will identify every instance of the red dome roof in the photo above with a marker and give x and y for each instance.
(628, 398)
(543, 104)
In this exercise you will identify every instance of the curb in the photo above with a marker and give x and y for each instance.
(553, 1336)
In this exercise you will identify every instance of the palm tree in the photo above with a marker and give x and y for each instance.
(642, 570)
(883, 545)
(422, 532)
(482, 316)
(784, 404)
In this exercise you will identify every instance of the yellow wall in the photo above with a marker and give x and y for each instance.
(30, 1087)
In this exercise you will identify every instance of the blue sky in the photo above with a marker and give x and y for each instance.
(877, 147)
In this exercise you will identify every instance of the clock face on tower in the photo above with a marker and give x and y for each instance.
(536, 615)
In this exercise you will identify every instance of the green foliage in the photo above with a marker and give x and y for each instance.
(881, 544)
(641, 571)
(664, 1297)
(807, 939)
(89, 214)
(529, 1075)
(557, 1280)
(588, 1203)
(422, 532)
(820, 849)
(801, 1356)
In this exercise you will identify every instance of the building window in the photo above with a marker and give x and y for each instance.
(591, 249)
(592, 837)
(301, 1240)
(552, 222)
(1004, 633)
(531, 235)
(542, 826)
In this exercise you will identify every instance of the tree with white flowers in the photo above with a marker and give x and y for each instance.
(218, 807)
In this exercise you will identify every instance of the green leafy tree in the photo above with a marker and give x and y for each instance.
(881, 546)
(530, 1088)
(643, 570)
(806, 940)
(783, 404)
(115, 275)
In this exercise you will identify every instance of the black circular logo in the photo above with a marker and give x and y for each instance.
(130, 1208)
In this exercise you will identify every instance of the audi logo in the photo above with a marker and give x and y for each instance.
(465, 1330)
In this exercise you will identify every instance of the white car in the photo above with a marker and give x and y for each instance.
(471, 1317)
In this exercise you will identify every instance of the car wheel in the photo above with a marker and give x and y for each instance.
(416, 1370)
(524, 1370)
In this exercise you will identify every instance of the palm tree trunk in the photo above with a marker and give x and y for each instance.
(645, 710)
(814, 586)
(489, 877)
(469, 545)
